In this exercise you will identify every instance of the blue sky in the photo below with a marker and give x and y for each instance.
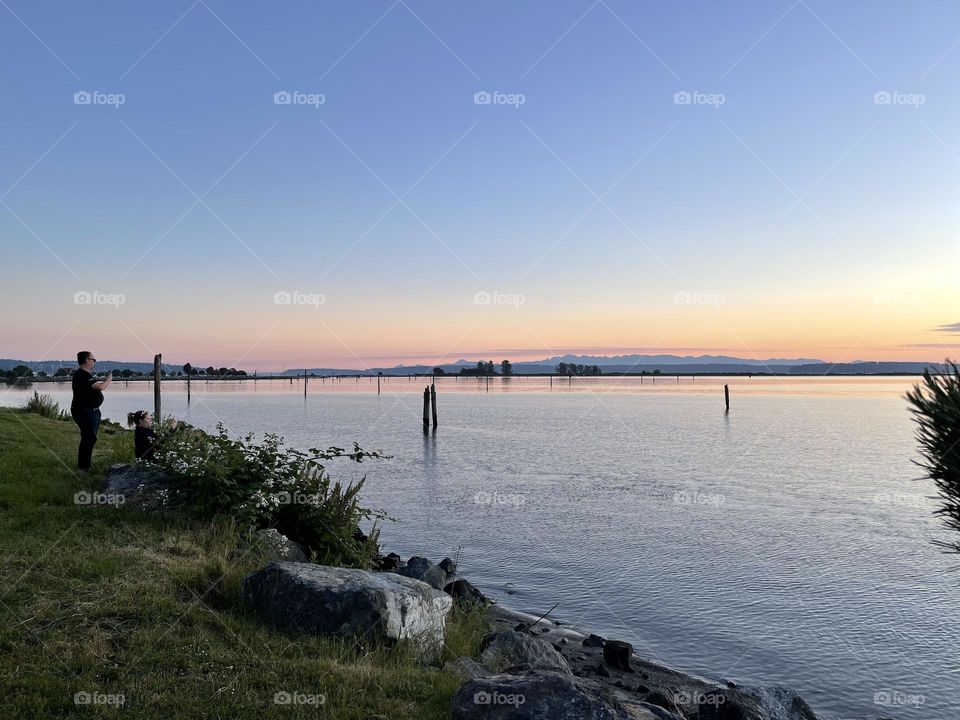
(820, 219)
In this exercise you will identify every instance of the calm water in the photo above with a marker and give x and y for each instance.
(783, 543)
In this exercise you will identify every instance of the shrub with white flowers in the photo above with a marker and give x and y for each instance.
(268, 484)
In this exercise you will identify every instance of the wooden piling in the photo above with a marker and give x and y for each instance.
(726, 396)
(426, 409)
(433, 403)
(378, 383)
(304, 382)
(156, 388)
(188, 386)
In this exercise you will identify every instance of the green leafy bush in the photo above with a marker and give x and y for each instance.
(936, 408)
(45, 406)
(267, 484)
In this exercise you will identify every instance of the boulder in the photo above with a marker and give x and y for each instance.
(537, 695)
(464, 591)
(509, 648)
(389, 563)
(593, 641)
(466, 668)
(141, 485)
(422, 569)
(280, 546)
(344, 602)
(448, 566)
(618, 653)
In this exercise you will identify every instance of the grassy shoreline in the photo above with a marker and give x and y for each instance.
(110, 601)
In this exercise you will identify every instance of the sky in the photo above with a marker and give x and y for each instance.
(351, 184)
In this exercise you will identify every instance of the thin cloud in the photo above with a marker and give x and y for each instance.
(951, 328)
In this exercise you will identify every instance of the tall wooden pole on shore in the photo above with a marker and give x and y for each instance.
(156, 387)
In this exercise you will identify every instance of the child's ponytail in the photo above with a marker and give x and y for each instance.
(134, 418)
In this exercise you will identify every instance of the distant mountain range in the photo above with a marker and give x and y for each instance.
(666, 364)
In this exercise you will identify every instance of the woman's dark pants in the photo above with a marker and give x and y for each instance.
(88, 420)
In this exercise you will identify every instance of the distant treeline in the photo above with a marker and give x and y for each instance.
(22, 371)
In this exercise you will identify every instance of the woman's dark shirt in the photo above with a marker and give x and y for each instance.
(85, 397)
(143, 439)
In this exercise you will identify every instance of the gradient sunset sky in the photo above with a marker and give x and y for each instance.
(773, 179)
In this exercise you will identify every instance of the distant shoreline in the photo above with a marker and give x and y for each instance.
(654, 376)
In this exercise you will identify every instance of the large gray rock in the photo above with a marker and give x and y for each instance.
(280, 547)
(420, 568)
(538, 695)
(141, 485)
(463, 591)
(663, 691)
(509, 648)
(376, 607)
(466, 668)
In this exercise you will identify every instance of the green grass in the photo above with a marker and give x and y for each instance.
(111, 601)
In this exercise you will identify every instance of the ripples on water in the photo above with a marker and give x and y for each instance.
(783, 543)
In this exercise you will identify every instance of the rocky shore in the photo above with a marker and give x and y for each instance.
(528, 668)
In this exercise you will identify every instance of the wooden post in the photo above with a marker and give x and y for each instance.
(551, 382)
(426, 409)
(433, 403)
(156, 388)
(188, 386)
(726, 396)
(378, 383)
(304, 382)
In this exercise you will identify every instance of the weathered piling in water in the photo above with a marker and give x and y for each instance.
(378, 382)
(433, 403)
(726, 396)
(188, 385)
(304, 382)
(156, 387)
(426, 409)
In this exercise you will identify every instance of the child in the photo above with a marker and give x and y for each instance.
(143, 435)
